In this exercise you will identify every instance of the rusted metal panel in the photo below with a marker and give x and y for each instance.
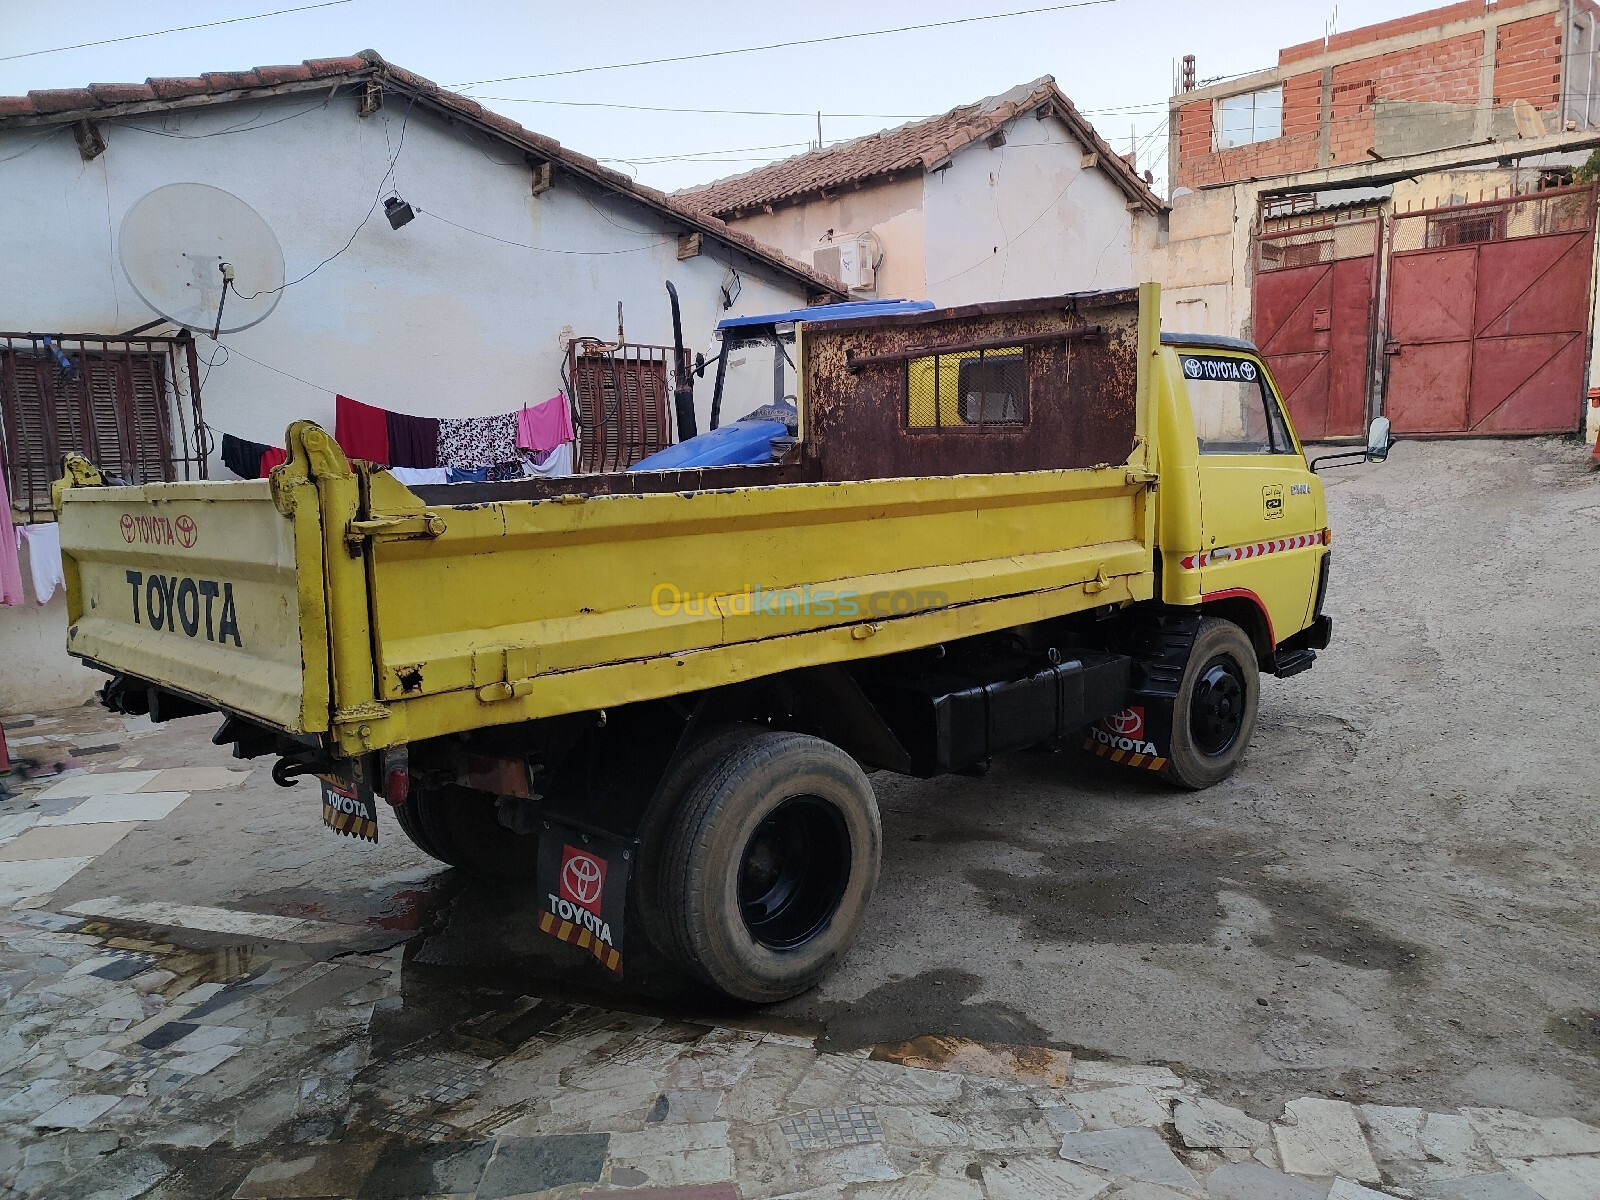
(1489, 315)
(1082, 393)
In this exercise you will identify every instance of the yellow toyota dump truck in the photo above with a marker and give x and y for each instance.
(656, 696)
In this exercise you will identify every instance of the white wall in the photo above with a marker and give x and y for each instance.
(38, 674)
(892, 210)
(427, 319)
(1026, 219)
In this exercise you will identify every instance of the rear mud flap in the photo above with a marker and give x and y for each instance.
(583, 889)
(348, 804)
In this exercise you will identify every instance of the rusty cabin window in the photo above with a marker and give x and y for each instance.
(119, 402)
(973, 389)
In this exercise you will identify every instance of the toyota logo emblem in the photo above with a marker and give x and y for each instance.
(186, 530)
(582, 879)
(127, 527)
(1127, 723)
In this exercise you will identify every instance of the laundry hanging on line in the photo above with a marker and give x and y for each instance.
(10, 564)
(43, 546)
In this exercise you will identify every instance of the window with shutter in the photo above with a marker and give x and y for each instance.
(125, 404)
(622, 406)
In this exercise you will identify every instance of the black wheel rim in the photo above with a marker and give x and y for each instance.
(1216, 710)
(793, 872)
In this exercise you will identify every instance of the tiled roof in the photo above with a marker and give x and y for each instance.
(102, 100)
(922, 145)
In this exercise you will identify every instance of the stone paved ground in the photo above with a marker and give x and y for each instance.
(269, 1045)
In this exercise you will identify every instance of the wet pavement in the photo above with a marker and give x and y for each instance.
(302, 1036)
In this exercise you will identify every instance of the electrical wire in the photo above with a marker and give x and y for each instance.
(243, 127)
(543, 249)
(376, 196)
(816, 41)
(133, 37)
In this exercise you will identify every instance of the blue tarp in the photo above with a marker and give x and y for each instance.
(833, 312)
(742, 443)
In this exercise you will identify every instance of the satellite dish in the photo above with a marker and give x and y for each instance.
(196, 253)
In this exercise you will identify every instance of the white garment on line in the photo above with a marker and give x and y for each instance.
(557, 463)
(43, 544)
(417, 476)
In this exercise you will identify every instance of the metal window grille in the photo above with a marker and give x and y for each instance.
(622, 405)
(973, 389)
(1563, 210)
(131, 405)
(1304, 247)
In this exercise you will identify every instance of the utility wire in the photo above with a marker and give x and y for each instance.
(816, 41)
(133, 37)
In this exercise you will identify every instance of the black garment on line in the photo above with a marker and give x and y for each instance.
(241, 457)
(413, 441)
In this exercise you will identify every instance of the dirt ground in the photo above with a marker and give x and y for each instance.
(1396, 900)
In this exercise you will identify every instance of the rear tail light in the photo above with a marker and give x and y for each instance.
(396, 776)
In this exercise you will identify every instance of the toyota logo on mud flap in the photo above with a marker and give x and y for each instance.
(583, 878)
(1128, 723)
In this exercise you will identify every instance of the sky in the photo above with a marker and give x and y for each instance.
(1115, 58)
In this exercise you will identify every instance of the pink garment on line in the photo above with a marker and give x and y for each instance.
(545, 426)
(10, 564)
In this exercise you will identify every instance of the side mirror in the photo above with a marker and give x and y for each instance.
(1378, 440)
(1377, 449)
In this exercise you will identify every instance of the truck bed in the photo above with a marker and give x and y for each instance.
(371, 616)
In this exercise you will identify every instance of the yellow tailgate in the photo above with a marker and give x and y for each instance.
(203, 588)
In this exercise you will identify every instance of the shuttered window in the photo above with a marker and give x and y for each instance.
(622, 405)
(114, 402)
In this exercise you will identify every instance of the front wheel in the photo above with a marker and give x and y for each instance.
(1215, 714)
(769, 866)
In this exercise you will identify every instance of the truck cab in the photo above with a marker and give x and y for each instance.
(1249, 539)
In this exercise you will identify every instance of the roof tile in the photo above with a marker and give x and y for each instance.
(122, 93)
(321, 68)
(231, 81)
(15, 106)
(176, 89)
(295, 73)
(920, 145)
(61, 100)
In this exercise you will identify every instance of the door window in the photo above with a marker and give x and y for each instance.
(1234, 410)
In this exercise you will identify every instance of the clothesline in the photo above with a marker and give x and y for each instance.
(535, 439)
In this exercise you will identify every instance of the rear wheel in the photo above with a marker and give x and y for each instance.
(1215, 714)
(409, 818)
(461, 826)
(769, 865)
(650, 901)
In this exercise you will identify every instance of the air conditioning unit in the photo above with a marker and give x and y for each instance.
(850, 262)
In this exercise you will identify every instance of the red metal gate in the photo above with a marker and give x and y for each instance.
(1314, 320)
(1488, 315)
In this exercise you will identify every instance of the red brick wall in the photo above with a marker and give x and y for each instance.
(1444, 70)
(1527, 63)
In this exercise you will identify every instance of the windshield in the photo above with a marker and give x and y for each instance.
(757, 371)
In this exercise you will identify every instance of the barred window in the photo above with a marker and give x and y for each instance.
(969, 389)
(119, 402)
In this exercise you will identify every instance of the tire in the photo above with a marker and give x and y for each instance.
(649, 906)
(409, 818)
(769, 866)
(1215, 714)
(462, 825)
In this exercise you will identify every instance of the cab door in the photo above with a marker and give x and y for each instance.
(1260, 507)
